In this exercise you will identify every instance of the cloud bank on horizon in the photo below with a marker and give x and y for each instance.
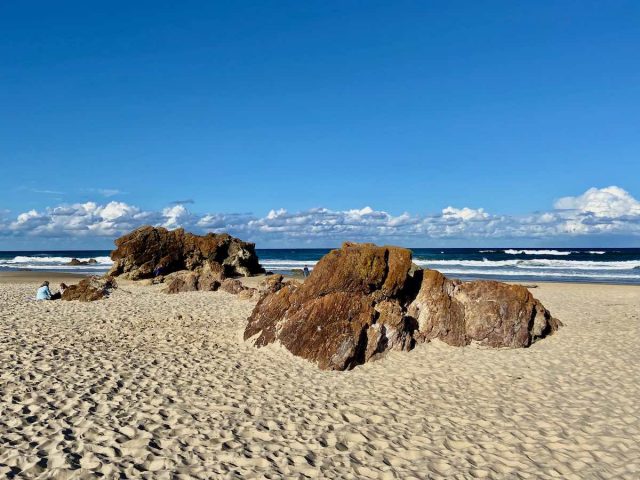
(597, 212)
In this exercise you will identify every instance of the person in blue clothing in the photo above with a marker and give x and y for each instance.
(305, 271)
(43, 292)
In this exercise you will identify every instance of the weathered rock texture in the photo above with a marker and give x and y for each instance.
(363, 300)
(90, 289)
(491, 313)
(271, 284)
(208, 277)
(150, 251)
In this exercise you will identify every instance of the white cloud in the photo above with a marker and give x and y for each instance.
(465, 214)
(612, 202)
(609, 210)
(176, 216)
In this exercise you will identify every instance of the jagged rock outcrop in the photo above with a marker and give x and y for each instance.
(363, 300)
(151, 251)
(90, 289)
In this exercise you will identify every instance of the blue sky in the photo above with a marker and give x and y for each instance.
(238, 109)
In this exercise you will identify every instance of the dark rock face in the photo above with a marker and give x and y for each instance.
(90, 289)
(150, 251)
(363, 300)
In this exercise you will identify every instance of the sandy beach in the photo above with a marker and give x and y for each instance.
(162, 386)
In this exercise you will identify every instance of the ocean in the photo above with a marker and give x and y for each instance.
(587, 265)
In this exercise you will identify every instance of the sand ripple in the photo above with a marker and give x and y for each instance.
(156, 386)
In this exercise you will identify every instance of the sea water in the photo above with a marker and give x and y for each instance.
(589, 265)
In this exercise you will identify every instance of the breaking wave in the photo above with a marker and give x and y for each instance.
(511, 251)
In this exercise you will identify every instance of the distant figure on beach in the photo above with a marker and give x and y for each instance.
(305, 271)
(43, 292)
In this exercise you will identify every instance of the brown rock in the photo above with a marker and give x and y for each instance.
(232, 285)
(184, 282)
(271, 284)
(90, 289)
(360, 268)
(491, 313)
(267, 315)
(363, 300)
(150, 251)
(346, 312)
(211, 276)
(249, 294)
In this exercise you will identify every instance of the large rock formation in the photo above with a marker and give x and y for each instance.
(90, 289)
(150, 251)
(363, 300)
(348, 310)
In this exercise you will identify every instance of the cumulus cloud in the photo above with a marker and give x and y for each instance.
(465, 214)
(612, 202)
(609, 210)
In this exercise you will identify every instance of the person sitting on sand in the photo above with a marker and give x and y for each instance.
(58, 295)
(43, 292)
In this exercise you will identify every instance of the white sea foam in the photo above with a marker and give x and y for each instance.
(539, 263)
(512, 251)
(51, 260)
(276, 264)
(52, 263)
(533, 273)
(57, 268)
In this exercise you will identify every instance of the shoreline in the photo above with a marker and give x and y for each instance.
(34, 276)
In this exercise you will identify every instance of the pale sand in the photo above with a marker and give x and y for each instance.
(160, 386)
(30, 276)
